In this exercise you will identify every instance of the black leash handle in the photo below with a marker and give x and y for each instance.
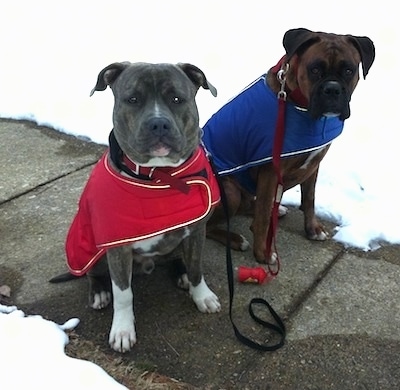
(279, 327)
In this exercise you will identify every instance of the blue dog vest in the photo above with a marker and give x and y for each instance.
(241, 134)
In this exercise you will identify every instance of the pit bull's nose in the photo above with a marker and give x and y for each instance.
(159, 125)
(332, 89)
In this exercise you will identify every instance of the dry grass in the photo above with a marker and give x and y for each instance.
(126, 373)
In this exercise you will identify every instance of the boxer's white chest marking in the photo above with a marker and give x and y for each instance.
(311, 156)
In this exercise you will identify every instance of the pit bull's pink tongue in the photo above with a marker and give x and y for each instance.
(160, 151)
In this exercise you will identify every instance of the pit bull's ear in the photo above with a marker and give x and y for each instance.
(366, 49)
(197, 77)
(298, 39)
(108, 75)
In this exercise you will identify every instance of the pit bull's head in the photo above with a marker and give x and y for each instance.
(155, 117)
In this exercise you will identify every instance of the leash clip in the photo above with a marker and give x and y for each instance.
(281, 76)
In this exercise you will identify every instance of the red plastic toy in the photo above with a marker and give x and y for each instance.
(253, 275)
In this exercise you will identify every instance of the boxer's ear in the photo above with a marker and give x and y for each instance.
(366, 49)
(298, 39)
(197, 77)
(108, 75)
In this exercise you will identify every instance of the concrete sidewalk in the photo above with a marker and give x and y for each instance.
(341, 307)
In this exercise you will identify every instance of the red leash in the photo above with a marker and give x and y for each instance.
(271, 252)
(278, 327)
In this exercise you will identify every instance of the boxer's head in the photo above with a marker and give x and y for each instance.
(325, 67)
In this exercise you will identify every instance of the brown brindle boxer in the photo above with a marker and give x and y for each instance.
(319, 73)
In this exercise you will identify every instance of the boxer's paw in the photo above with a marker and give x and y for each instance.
(316, 231)
(282, 211)
(244, 244)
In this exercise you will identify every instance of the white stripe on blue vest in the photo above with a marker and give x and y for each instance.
(241, 134)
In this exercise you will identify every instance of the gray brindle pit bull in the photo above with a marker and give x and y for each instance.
(156, 125)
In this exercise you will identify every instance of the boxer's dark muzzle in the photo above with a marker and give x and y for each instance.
(330, 98)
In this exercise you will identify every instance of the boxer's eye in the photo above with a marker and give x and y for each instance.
(348, 72)
(315, 71)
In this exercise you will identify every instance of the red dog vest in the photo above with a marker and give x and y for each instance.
(116, 210)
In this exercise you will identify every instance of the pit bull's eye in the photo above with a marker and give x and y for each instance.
(133, 100)
(176, 100)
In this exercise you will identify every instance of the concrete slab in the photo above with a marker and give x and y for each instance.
(358, 296)
(340, 306)
(34, 227)
(33, 155)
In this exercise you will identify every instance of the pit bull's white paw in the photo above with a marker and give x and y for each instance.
(122, 335)
(183, 282)
(101, 300)
(205, 300)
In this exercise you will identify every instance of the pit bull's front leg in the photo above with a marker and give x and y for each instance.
(205, 300)
(122, 335)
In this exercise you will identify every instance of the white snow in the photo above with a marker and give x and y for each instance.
(32, 356)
